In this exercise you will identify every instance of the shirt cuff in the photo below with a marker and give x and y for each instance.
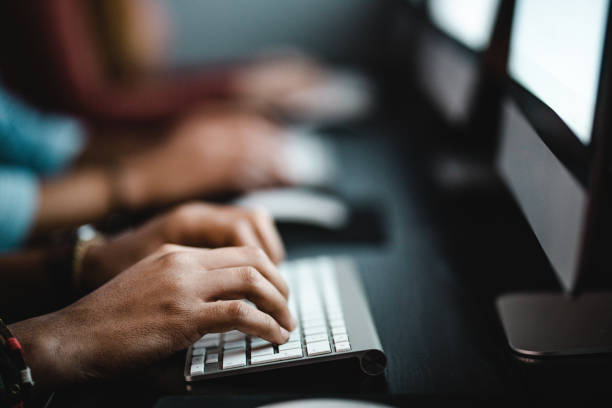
(19, 192)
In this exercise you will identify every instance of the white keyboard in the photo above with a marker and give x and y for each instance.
(321, 329)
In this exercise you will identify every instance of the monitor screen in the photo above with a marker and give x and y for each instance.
(470, 22)
(556, 50)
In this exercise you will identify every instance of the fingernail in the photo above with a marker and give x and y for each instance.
(285, 333)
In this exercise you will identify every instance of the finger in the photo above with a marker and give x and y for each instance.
(268, 234)
(247, 283)
(228, 315)
(244, 235)
(192, 224)
(243, 256)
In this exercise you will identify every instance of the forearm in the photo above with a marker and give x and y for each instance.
(109, 144)
(78, 197)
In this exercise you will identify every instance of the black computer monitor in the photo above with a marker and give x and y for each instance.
(458, 62)
(450, 62)
(551, 157)
(471, 22)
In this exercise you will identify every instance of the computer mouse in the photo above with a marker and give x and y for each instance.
(299, 206)
(310, 159)
(325, 403)
(343, 95)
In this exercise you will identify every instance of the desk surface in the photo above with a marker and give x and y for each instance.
(430, 292)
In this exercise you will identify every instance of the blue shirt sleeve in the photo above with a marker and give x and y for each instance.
(18, 205)
(41, 142)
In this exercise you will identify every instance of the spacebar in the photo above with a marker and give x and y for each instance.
(282, 355)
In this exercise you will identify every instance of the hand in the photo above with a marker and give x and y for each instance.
(303, 90)
(207, 153)
(268, 81)
(194, 224)
(159, 306)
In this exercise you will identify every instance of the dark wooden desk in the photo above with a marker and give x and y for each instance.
(431, 287)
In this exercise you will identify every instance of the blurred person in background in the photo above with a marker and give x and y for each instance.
(194, 152)
(202, 154)
(107, 61)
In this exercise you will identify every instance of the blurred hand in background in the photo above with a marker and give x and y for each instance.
(206, 153)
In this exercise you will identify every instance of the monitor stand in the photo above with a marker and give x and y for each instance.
(553, 324)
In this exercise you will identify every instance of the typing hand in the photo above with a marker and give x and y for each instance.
(267, 81)
(194, 224)
(207, 153)
(157, 307)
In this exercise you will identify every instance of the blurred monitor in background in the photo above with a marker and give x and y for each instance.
(470, 22)
(450, 74)
(459, 64)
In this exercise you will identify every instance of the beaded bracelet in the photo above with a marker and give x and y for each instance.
(16, 379)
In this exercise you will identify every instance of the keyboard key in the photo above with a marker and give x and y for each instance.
(262, 351)
(290, 354)
(290, 345)
(238, 344)
(316, 337)
(233, 335)
(313, 324)
(256, 342)
(267, 358)
(315, 330)
(295, 335)
(198, 351)
(341, 338)
(313, 321)
(197, 360)
(320, 347)
(233, 359)
(345, 346)
(212, 363)
(212, 358)
(206, 342)
(308, 317)
(338, 330)
(196, 369)
(282, 355)
(336, 316)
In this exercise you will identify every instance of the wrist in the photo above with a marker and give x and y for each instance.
(131, 184)
(46, 350)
